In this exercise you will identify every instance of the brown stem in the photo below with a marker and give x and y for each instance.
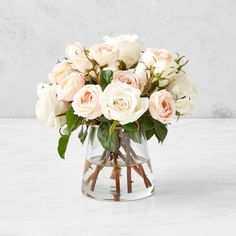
(94, 175)
(106, 157)
(138, 171)
(103, 156)
(94, 179)
(129, 180)
(126, 139)
(145, 179)
(117, 173)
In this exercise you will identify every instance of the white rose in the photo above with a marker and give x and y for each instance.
(48, 107)
(142, 73)
(74, 50)
(122, 102)
(87, 101)
(128, 47)
(166, 69)
(103, 54)
(82, 64)
(60, 71)
(184, 93)
(168, 74)
(184, 106)
(182, 87)
(68, 87)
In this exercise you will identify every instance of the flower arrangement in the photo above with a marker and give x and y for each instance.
(115, 84)
(119, 95)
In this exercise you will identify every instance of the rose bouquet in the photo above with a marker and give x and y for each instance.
(128, 94)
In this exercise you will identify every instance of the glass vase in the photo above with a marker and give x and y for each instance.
(122, 175)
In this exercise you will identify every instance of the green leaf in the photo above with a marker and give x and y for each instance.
(108, 141)
(122, 65)
(107, 75)
(133, 131)
(72, 120)
(160, 130)
(148, 133)
(146, 122)
(83, 134)
(62, 145)
(130, 127)
(92, 130)
(136, 136)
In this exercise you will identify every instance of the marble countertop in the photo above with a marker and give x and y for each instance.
(195, 171)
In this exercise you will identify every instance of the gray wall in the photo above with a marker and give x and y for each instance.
(33, 35)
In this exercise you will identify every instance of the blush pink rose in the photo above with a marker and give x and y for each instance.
(162, 106)
(127, 77)
(153, 56)
(68, 87)
(87, 102)
(103, 54)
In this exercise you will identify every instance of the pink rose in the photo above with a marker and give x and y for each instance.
(87, 102)
(103, 54)
(69, 86)
(157, 56)
(127, 77)
(162, 106)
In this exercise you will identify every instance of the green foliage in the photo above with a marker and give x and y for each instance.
(83, 134)
(148, 133)
(147, 125)
(62, 145)
(108, 141)
(122, 65)
(179, 61)
(106, 78)
(92, 134)
(136, 136)
(133, 130)
(160, 130)
(146, 122)
(73, 122)
(107, 75)
(130, 127)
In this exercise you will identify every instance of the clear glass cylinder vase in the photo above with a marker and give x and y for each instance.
(121, 175)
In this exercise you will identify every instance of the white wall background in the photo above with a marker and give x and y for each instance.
(33, 35)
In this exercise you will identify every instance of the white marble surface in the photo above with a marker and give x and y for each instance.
(33, 35)
(195, 172)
